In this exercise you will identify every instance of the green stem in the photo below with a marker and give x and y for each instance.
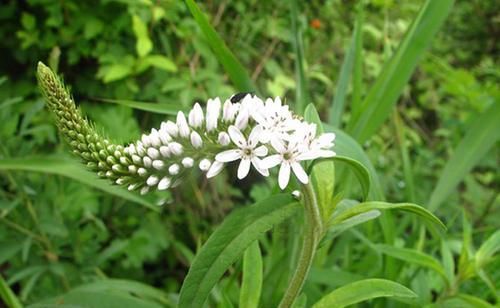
(313, 230)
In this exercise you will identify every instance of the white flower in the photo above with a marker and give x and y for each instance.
(289, 158)
(158, 164)
(182, 125)
(155, 138)
(196, 140)
(247, 151)
(153, 153)
(215, 169)
(164, 151)
(276, 120)
(152, 180)
(213, 111)
(175, 148)
(196, 116)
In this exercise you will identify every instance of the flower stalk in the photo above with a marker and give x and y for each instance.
(313, 232)
(262, 134)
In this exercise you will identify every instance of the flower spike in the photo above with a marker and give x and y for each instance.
(262, 134)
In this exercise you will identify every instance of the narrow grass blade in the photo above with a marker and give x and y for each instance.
(70, 169)
(357, 73)
(228, 242)
(252, 277)
(7, 296)
(488, 249)
(302, 97)
(413, 256)
(389, 85)
(363, 290)
(480, 137)
(236, 72)
(160, 108)
(399, 130)
(376, 205)
(127, 286)
(338, 103)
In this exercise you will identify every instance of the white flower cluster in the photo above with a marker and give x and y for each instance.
(262, 134)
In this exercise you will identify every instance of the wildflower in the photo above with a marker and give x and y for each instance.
(247, 151)
(262, 134)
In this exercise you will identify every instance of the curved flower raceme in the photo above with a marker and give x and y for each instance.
(257, 133)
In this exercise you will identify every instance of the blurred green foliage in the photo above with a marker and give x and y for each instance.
(56, 233)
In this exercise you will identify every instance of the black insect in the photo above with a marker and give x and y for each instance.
(238, 97)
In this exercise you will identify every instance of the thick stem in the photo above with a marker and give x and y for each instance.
(313, 230)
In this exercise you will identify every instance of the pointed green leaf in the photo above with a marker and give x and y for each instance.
(488, 249)
(160, 108)
(71, 169)
(375, 205)
(302, 91)
(363, 290)
(251, 284)
(228, 242)
(237, 73)
(413, 256)
(481, 136)
(395, 74)
(7, 296)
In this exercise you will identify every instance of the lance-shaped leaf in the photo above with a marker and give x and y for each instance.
(228, 242)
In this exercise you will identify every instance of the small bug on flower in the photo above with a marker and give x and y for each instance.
(236, 98)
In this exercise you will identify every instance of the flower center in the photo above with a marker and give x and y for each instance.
(247, 152)
(287, 155)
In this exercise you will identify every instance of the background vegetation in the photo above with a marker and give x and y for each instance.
(61, 228)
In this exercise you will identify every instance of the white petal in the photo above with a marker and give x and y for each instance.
(284, 175)
(257, 163)
(175, 148)
(260, 151)
(254, 137)
(171, 128)
(300, 173)
(271, 161)
(165, 151)
(278, 145)
(237, 136)
(227, 156)
(147, 161)
(327, 153)
(153, 153)
(243, 168)
(213, 111)
(215, 169)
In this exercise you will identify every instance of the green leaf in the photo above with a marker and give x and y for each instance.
(160, 108)
(127, 286)
(488, 249)
(95, 299)
(363, 290)
(162, 62)
(69, 168)
(311, 115)
(415, 257)
(466, 301)
(237, 73)
(338, 102)
(357, 74)
(143, 44)
(481, 136)
(360, 171)
(346, 146)
(116, 71)
(228, 242)
(251, 284)
(8, 297)
(389, 85)
(302, 92)
(376, 205)
(336, 229)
